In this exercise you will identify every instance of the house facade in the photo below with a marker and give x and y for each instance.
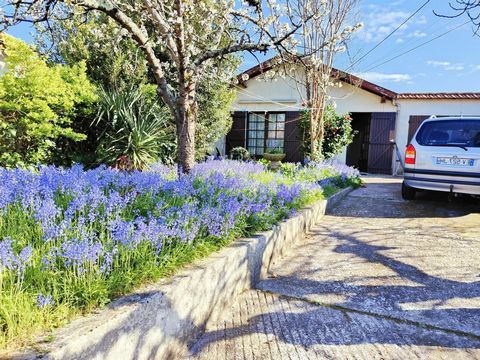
(266, 114)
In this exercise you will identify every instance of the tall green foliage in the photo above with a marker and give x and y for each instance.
(136, 131)
(214, 118)
(112, 59)
(38, 104)
(338, 132)
(115, 63)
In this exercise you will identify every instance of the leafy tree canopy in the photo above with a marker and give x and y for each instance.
(113, 60)
(115, 63)
(37, 104)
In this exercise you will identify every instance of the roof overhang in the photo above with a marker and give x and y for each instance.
(336, 74)
(351, 79)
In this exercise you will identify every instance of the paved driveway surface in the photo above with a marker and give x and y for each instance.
(378, 278)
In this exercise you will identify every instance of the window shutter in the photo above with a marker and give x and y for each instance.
(293, 137)
(236, 135)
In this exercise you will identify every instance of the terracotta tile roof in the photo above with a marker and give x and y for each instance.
(439, 96)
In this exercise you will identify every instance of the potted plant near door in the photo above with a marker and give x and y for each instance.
(275, 156)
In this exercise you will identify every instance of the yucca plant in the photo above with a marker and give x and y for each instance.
(135, 132)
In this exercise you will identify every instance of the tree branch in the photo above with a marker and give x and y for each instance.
(142, 40)
(251, 46)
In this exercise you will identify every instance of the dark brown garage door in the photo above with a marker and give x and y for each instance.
(414, 123)
(380, 150)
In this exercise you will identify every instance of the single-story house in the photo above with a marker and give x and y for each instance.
(267, 109)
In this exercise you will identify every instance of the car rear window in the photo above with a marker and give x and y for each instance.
(460, 132)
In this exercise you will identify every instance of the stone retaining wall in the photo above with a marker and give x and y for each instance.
(162, 320)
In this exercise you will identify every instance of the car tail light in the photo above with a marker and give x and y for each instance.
(410, 155)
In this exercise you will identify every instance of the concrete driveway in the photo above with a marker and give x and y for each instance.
(378, 278)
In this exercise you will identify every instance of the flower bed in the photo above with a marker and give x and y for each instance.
(71, 240)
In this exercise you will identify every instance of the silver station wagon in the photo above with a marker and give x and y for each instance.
(444, 155)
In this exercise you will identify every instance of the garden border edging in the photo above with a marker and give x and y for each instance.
(164, 319)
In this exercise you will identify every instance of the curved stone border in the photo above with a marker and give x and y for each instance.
(162, 320)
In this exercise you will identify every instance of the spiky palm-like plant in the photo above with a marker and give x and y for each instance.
(135, 132)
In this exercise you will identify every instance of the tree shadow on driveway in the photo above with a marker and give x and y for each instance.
(377, 271)
(429, 300)
(384, 200)
(432, 311)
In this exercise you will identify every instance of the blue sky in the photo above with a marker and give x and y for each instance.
(450, 63)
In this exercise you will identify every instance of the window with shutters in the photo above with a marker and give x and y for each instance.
(265, 131)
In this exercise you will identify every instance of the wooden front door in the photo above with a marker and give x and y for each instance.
(380, 149)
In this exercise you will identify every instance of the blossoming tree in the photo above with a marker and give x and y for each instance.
(181, 41)
(321, 39)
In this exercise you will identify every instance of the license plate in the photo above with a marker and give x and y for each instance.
(455, 161)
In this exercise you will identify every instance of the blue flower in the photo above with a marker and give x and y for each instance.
(45, 300)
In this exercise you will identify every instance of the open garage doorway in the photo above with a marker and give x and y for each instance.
(357, 151)
(372, 147)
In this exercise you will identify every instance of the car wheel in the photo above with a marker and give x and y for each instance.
(408, 193)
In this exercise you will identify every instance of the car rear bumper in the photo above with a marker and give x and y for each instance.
(463, 185)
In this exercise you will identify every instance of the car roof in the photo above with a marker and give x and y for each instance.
(452, 118)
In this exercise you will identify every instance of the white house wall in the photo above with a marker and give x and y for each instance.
(350, 99)
(407, 107)
(279, 94)
(284, 94)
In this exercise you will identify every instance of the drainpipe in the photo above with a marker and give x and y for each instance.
(397, 154)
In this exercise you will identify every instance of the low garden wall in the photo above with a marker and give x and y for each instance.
(162, 320)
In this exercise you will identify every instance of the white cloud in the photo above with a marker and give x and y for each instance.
(399, 41)
(438, 63)
(422, 20)
(376, 76)
(380, 21)
(417, 34)
(446, 65)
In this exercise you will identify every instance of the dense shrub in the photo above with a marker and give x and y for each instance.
(38, 104)
(239, 153)
(71, 239)
(338, 132)
(114, 62)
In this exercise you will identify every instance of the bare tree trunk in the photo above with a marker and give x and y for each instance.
(185, 120)
(186, 140)
(320, 122)
(313, 132)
